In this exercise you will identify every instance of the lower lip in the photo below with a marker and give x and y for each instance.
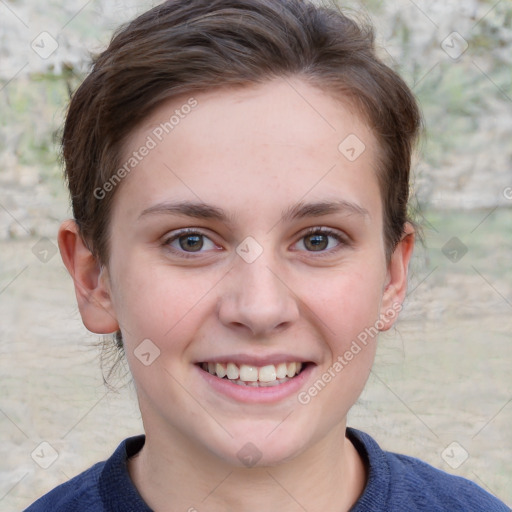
(253, 394)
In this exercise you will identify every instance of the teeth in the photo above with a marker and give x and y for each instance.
(248, 373)
(281, 371)
(220, 370)
(260, 384)
(232, 371)
(290, 369)
(268, 375)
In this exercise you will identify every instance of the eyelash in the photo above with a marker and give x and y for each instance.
(342, 241)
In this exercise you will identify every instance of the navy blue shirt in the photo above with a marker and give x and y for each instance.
(396, 483)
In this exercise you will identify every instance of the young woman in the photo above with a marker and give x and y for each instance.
(239, 174)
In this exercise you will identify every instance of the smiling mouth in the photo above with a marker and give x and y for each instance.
(254, 376)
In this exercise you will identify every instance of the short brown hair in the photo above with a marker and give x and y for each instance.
(188, 46)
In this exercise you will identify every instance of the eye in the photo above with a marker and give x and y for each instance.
(189, 241)
(322, 240)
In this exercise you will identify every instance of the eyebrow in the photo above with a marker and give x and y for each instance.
(199, 210)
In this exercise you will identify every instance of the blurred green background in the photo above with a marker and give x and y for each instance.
(442, 376)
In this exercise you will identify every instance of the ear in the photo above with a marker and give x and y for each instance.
(396, 280)
(92, 287)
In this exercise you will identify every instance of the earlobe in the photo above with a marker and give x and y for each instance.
(91, 283)
(396, 284)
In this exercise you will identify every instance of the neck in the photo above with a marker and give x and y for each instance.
(174, 475)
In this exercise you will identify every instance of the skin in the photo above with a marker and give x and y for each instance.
(253, 152)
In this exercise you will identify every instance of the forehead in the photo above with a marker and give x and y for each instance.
(252, 147)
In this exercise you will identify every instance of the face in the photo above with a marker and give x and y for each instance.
(248, 241)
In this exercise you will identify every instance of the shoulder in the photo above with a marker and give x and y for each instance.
(106, 486)
(402, 483)
(79, 493)
(429, 486)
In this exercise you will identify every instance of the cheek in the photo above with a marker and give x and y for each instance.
(159, 302)
(349, 303)
(348, 308)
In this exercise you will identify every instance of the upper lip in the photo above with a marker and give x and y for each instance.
(256, 360)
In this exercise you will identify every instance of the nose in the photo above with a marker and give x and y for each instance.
(257, 299)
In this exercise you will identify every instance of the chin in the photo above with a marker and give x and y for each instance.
(265, 450)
